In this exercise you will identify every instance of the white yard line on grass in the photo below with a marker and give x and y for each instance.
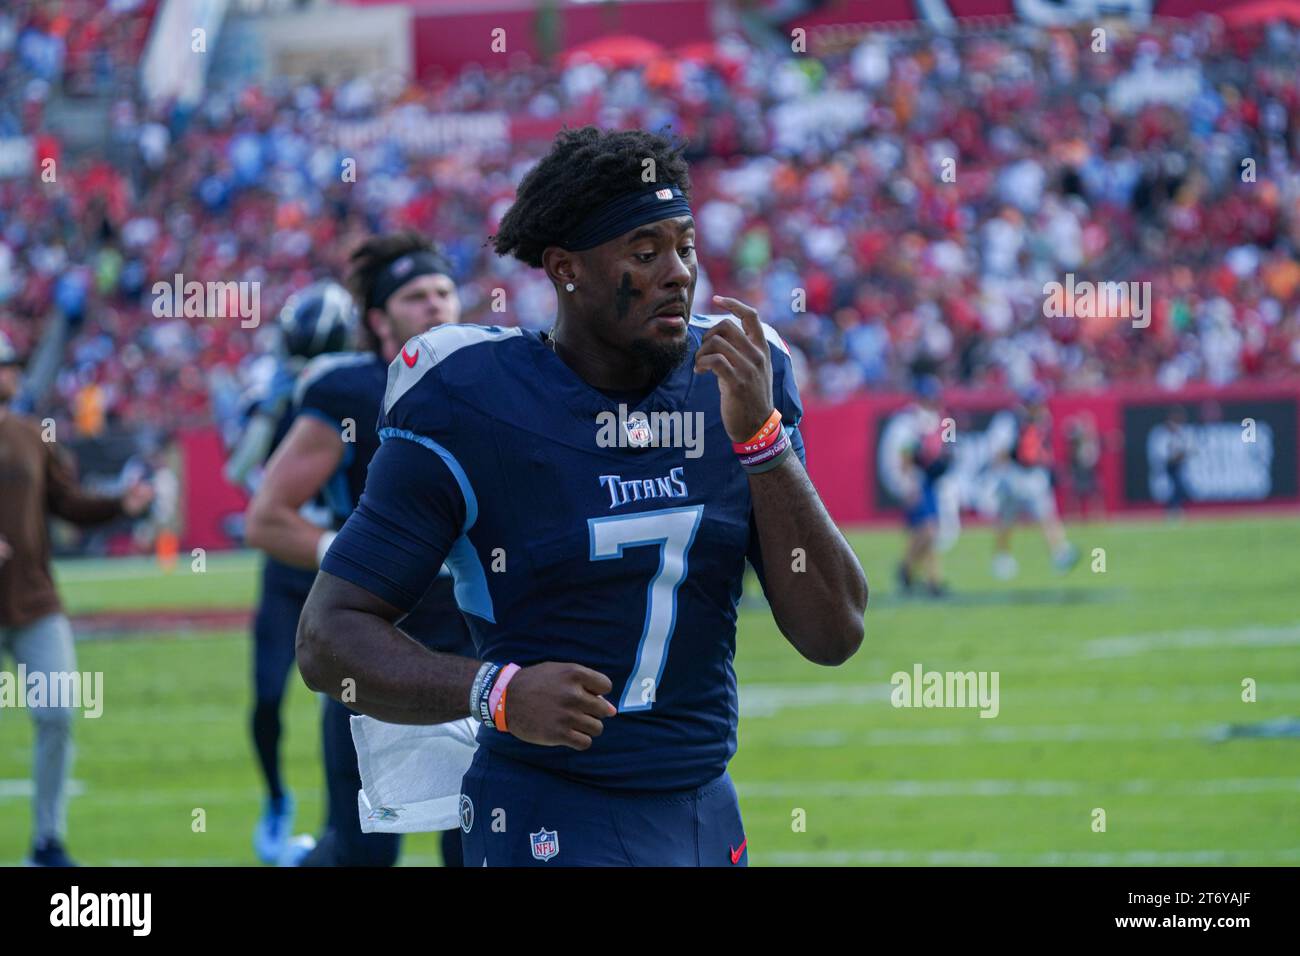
(1096, 653)
(1013, 788)
(770, 699)
(986, 733)
(1200, 638)
(996, 858)
(22, 789)
(765, 700)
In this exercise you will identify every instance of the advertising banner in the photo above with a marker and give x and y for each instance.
(1226, 451)
(1127, 450)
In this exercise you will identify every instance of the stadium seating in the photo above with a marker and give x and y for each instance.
(823, 190)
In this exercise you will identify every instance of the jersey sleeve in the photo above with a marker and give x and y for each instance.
(785, 395)
(417, 503)
(409, 517)
(325, 391)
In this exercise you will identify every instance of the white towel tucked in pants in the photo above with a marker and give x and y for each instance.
(410, 774)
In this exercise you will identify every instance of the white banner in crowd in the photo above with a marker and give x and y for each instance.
(17, 156)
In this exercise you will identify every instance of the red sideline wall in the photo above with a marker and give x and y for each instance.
(842, 441)
(208, 501)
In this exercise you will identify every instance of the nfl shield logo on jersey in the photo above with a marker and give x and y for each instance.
(638, 430)
(546, 843)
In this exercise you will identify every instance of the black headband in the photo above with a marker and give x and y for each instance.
(622, 213)
(401, 271)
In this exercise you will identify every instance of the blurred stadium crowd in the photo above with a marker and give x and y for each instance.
(826, 175)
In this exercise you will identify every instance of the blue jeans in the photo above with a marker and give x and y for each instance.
(45, 646)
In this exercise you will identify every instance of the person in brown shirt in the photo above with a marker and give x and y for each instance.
(36, 481)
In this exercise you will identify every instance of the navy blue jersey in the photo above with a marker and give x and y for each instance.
(567, 547)
(345, 390)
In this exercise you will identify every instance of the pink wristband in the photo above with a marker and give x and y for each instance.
(499, 686)
(778, 447)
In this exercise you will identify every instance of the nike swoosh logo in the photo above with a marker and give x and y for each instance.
(736, 854)
(410, 360)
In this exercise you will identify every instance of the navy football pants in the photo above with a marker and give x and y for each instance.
(283, 593)
(520, 815)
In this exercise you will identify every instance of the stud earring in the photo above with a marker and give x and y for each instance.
(568, 287)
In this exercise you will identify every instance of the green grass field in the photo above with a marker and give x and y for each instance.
(1111, 686)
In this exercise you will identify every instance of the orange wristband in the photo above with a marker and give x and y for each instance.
(762, 438)
(499, 689)
(499, 715)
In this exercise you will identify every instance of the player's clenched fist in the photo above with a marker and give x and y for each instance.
(559, 705)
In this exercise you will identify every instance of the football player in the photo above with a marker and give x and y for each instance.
(1022, 465)
(317, 320)
(600, 567)
(926, 457)
(403, 286)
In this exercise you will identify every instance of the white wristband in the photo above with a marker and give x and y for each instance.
(323, 544)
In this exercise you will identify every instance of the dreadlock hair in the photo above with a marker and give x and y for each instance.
(584, 169)
(368, 260)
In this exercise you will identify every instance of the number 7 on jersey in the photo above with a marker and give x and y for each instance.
(673, 531)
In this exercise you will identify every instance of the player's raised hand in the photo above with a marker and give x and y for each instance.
(558, 705)
(739, 357)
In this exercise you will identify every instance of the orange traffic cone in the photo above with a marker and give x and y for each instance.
(166, 548)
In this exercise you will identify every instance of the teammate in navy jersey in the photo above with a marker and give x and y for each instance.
(314, 321)
(595, 492)
(404, 287)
